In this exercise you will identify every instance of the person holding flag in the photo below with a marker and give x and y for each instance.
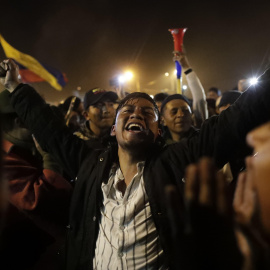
(31, 70)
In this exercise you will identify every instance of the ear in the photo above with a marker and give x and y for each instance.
(85, 114)
(113, 131)
(159, 132)
(162, 121)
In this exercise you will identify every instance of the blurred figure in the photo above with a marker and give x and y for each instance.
(211, 106)
(159, 98)
(38, 199)
(254, 186)
(3, 189)
(213, 93)
(73, 112)
(227, 99)
(99, 113)
(243, 85)
(251, 201)
(208, 229)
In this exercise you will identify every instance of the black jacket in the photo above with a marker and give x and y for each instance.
(219, 137)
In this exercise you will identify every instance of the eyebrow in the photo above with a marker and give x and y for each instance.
(143, 107)
(181, 107)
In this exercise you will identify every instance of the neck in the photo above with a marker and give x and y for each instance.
(97, 131)
(128, 163)
(178, 136)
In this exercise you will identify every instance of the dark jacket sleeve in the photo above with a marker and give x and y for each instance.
(221, 137)
(49, 130)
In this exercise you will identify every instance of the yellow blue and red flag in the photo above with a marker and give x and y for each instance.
(31, 70)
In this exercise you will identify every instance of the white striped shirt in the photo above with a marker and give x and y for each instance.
(127, 237)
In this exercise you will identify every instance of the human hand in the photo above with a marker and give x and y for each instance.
(210, 220)
(245, 199)
(11, 72)
(181, 58)
(48, 160)
(206, 188)
(203, 234)
(259, 170)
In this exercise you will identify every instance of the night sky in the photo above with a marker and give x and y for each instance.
(93, 41)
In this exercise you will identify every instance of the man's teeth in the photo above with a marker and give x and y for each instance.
(135, 127)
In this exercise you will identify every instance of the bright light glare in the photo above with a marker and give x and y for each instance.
(151, 96)
(128, 75)
(167, 74)
(175, 71)
(184, 87)
(253, 81)
(125, 77)
(121, 79)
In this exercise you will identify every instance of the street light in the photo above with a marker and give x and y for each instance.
(127, 76)
(253, 81)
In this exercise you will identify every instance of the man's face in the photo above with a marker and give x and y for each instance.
(177, 116)
(136, 124)
(212, 94)
(101, 115)
(259, 169)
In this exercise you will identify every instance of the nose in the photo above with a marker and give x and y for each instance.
(180, 113)
(104, 108)
(137, 114)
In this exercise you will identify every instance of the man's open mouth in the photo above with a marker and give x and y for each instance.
(135, 127)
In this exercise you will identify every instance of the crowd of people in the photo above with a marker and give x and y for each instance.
(133, 182)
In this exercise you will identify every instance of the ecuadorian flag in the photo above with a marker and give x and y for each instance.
(32, 70)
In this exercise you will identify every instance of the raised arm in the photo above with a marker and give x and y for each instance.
(223, 137)
(197, 90)
(50, 131)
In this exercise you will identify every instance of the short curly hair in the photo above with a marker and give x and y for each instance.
(136, 95)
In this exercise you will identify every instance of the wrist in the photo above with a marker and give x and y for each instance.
(12, 86)
(188, 70)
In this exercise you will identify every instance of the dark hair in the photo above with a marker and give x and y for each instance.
(216, 90)
(136, 95)
(160, 97)
(67, 102)
(173, 97)
(229, 97)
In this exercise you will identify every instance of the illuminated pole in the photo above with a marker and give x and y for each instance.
(178, 35)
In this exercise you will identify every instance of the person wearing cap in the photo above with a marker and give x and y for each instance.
(99, 113)
(176, 117)
(38, 198)
(118, 217)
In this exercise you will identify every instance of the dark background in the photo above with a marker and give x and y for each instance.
(93, 41)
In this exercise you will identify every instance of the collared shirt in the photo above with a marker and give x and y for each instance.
(127, 237)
